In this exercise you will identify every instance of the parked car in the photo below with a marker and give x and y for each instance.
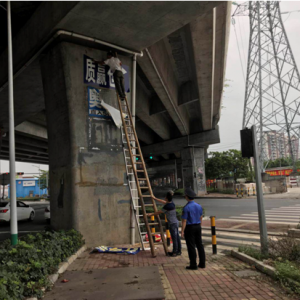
(24, 211)
(47, 213)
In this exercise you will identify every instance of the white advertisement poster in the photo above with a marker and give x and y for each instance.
(29, 183)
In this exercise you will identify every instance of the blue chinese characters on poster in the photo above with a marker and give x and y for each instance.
(95, 107)
(101, 76)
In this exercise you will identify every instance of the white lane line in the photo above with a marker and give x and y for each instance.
(4, 232)
(268, 219)
(274, 215)
(256, 221)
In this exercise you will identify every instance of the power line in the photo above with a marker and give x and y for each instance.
(233, 23)
(242, 41)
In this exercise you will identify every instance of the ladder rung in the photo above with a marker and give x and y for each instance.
(142, 178)
(148, 205)
(140, 171)
(147, 196)
(144, 187)
(138, 163)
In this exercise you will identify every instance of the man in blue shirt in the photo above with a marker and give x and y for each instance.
(191, 230)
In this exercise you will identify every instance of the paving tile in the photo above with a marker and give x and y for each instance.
(218, 281)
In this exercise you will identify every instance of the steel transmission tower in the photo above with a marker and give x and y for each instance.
(272, 96)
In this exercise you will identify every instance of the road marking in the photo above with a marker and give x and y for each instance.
(256, 221)
(275, 215)
(4, 232)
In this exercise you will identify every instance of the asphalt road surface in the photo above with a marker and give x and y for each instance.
(225, 208)
(25, 227)
(221, 208)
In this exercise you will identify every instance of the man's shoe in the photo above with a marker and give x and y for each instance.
(172, 254)
(191, 268)
(179, 253)
(201, 267)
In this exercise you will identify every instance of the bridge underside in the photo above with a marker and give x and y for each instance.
(179, 88)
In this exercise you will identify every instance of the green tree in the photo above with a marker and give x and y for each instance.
(227, 164)
(43, 179)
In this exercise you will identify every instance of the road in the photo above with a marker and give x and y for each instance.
(221, 208)
(25, 227)
(225, 208)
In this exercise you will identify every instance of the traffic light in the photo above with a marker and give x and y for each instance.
(151, 157)
(20, 173)
(136, 158)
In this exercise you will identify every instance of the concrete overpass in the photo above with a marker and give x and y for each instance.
(179, 92)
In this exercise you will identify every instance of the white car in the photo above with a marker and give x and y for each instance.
(24, 211)
(47, 213)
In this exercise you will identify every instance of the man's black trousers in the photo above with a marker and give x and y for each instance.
(193, 237)
(119, 83)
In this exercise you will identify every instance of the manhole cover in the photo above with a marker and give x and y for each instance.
(246, 273)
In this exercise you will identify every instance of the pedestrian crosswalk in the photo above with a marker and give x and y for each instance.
(288, 215)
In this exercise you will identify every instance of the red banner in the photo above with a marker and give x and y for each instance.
(285, 172)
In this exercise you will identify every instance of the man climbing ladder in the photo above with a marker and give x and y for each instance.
(116, 68)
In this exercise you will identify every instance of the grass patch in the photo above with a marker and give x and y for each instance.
(24, 268)
(255, 253)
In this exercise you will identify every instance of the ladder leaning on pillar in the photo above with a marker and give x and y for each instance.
(137, 174)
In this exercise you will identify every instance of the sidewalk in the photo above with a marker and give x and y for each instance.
(220, 280)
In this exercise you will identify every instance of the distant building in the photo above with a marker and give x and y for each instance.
(27, 187)
(277, 145)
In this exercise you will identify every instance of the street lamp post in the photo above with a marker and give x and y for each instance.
(12, 155)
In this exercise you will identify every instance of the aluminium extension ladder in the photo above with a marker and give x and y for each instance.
(138, 180)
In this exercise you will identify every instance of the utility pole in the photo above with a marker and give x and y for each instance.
(260, 198)
(12, 156)
(272, 95)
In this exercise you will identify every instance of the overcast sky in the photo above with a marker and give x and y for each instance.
(233, 99)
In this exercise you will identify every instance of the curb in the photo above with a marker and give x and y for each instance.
(62, 267)
(260, 266)
(254, 262)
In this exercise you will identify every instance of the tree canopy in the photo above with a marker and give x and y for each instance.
(226, 164)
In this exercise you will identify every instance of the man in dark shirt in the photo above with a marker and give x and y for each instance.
(191, 230)
(170, 211)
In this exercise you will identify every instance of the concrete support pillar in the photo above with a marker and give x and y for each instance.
(193, 169)
(179, 174)
(87, 169)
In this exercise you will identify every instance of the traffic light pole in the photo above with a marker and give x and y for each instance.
(12, 158)
(260, 198)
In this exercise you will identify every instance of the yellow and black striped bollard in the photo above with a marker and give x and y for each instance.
(168, 232)
(153, 229)
(242, 192)
(248, 191)
(253, 190)
(237, 192)
(213, 234)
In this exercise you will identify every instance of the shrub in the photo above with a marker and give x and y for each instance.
(286, 248)
(179, 192)
(24, 268)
